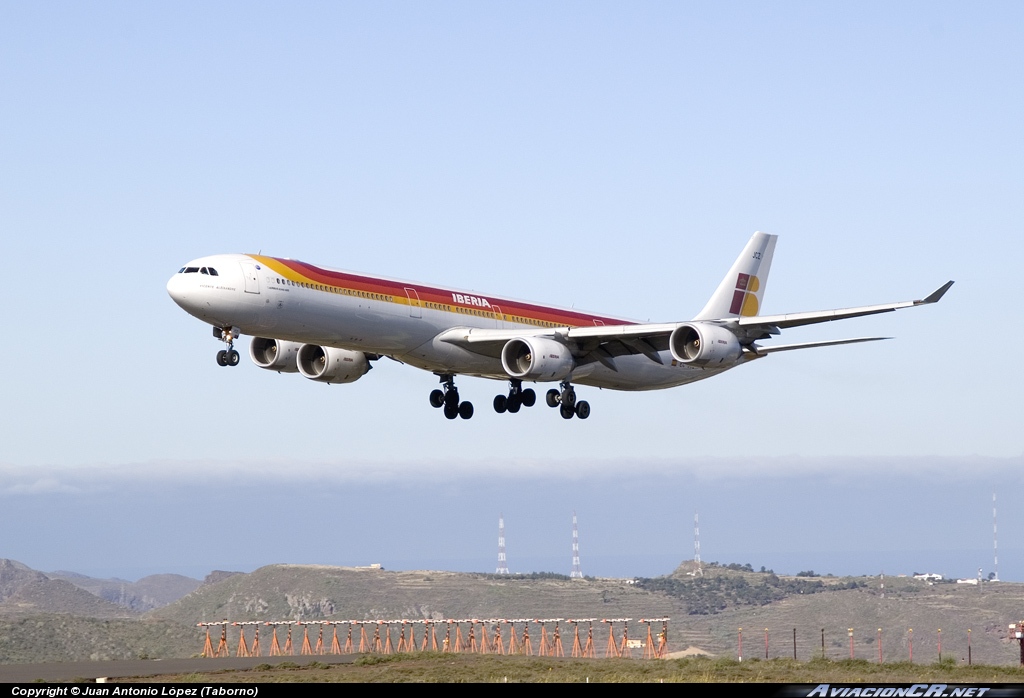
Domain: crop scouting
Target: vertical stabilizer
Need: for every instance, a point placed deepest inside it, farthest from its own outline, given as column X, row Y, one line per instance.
column 741, row 291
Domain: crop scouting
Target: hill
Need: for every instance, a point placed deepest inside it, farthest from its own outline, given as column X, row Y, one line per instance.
column 707, row 611
column 315, row 592
column 26, row 591
column 146, row 594
column 48, row 637
column 907, row 612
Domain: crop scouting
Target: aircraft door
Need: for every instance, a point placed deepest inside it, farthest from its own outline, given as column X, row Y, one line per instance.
column 414, row 303
column 499, row 319
column 252, row 279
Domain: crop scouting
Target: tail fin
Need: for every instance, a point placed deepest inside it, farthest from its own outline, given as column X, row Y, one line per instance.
column 741, row 290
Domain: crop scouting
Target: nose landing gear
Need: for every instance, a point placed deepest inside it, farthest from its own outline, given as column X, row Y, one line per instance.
column 226, row 357
column 565, row 401
column 517, row 397
column 449, row 399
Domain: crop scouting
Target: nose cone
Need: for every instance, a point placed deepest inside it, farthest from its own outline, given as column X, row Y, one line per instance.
column 177, row 289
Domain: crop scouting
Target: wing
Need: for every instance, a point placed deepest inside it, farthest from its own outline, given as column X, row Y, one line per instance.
column 780, row 322
column 604, row 343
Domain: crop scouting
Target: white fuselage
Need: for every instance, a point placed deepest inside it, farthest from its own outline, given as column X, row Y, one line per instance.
column 292, row 301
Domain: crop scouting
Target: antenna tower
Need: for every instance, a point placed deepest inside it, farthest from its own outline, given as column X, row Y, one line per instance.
column 502, row 564
column 995, row 542
column 699, row 571
column 576, row 573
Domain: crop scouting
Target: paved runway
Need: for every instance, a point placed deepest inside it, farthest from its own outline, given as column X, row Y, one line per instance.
column 69, row 671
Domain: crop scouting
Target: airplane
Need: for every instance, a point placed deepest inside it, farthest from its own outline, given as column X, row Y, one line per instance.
column 330, row 325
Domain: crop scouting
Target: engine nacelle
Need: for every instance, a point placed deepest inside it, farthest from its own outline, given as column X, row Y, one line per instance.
column 330, row 365
column 536, row 359
column 704, row 344
column 274, row 354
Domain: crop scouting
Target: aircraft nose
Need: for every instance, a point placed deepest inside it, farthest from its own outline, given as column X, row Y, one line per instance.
column 177, row 289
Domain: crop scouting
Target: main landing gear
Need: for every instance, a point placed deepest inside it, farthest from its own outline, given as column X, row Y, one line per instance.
column 226, row 357
column 565, row 401
column 517, row 397
column 449, row 399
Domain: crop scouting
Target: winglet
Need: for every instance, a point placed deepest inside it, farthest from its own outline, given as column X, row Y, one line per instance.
column 936, row 295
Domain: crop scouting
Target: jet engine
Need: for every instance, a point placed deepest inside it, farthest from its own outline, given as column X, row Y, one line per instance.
column 536, row 359
column 704, row 344
column 330, row 365
column 274, row 354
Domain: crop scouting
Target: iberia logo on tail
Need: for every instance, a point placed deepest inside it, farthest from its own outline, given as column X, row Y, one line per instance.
column 744, row 299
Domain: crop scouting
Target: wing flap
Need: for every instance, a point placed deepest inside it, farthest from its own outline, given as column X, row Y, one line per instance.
column 598, row 343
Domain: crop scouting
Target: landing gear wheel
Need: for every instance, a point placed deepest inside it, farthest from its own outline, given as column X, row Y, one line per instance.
column 449, row 399
column 500, row 403
column 226, row 356
column 582, row 409
column 567, row 412
column 517, row 397
column 552, row 398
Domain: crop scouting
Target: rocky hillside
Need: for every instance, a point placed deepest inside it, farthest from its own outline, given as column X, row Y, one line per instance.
column 314, row 592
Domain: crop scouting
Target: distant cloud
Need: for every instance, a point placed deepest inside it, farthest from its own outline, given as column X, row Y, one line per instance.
column 16, row 480
column 39, row 485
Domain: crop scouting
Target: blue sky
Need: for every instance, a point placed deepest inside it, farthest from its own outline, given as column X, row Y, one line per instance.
column 611, row 156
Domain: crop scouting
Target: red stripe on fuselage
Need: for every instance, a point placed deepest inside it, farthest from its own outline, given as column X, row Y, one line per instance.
column 429, row 294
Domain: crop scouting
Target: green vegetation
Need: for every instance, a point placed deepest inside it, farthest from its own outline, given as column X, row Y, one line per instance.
column 63, row 637
column 528, row 575
column 715, row 594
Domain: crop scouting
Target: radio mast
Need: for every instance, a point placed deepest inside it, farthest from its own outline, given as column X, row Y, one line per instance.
column 699, row 571
column 502, row 563
column 995, row 542
column 576, row 572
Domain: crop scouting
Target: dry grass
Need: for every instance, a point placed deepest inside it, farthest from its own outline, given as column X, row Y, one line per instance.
column 447, row 668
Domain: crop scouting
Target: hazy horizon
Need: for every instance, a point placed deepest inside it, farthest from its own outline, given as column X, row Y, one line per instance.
column 838, row 516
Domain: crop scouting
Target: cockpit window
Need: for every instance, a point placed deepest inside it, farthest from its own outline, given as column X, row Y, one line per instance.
column 191, row 270
column 182, row 270
column 213, row 272
column 203, row 271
